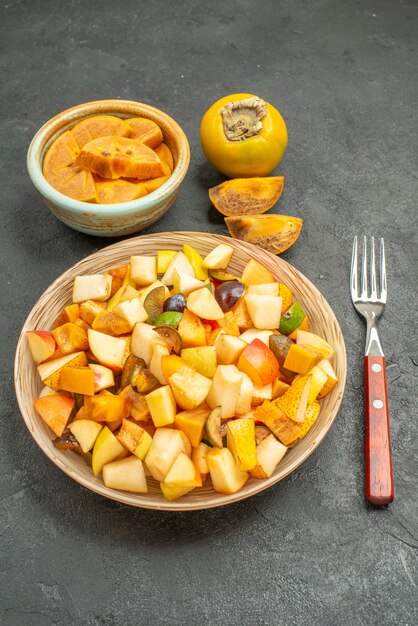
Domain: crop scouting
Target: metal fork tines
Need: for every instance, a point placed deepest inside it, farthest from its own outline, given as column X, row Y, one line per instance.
column 370, row 300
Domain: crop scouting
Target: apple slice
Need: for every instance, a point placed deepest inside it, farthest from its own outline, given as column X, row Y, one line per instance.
column 55, row 410
column 225, row 390
column 106, row 449
column 108, row 350
column 265, row 311
column 228, row 349
column 92, row 287
column 184, row 283
column 132, row 311
column 269, row 454
column 225, row 474
column 41, row 344
column 144, row 270
column 189, row 387
column 314, row 341
column 245, row 395
column 183, row 473
column 180, row 263
column 167, row 444
column 162, row 406
column 253, row 333
column 203, row 304
column 103, row 377
column 219, row 257
column 143, row 341
column 256, row 274
column 202, row 359
column 50, row 371
column 126, row 475
column 86, row 433
column 265, row 289
column 155, row 365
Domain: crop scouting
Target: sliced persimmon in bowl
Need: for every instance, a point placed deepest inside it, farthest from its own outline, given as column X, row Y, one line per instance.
column 116, row 157
column 73, row 182
column 146, row 131
column 165, row 155
column 100, row 126
column 112, row 191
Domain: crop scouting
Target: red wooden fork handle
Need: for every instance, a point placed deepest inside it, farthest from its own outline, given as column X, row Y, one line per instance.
column 379, row 475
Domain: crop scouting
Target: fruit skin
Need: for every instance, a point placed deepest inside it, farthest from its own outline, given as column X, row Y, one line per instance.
column 106, row 449
column 275, row 233
column 50, row 371
column 284, row 428
column 55, row 410
column 228, row 294
column 241, row 442
column 176, row 303
column 183, row 473
column 254, row 156
column 41, row 344
column 202, row 359
column 246, row 196
column 259, row 363
column 292, row 319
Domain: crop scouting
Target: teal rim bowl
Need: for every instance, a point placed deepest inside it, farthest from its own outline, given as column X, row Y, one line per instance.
column 109, row 220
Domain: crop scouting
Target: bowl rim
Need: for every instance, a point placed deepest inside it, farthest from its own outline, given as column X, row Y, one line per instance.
column 210, row 501
column 51, row 127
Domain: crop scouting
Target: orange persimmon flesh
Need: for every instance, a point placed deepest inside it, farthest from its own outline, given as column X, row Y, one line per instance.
column 165, row 155
column 246, row 196
column 275, row 233
column 151, row 184
column 116, row 157
column 100, row 126
column 111, row 191
column 146, row 131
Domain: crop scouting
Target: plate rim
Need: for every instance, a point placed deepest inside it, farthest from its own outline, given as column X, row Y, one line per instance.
column 144, row 502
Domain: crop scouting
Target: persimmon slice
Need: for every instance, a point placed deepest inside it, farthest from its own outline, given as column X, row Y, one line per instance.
column 165, row 155
column 111, row 191
column 74, row 183
column 62, row 152
column 146, row 131
column 116, row 157
column 246, row 196
column 151, row 184
column 99, row 126
column 275, row 233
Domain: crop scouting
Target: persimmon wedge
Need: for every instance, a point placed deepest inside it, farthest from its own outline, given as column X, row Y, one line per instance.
column 99, row 126
column 165, row 155
column 116, row 157
column 246, row 196
column 275, row 233
column 73, row 182
column 146, row 131
column 111, row 191
column 62, row 153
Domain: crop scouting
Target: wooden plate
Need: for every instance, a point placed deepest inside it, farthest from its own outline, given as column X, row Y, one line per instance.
column 28, row 384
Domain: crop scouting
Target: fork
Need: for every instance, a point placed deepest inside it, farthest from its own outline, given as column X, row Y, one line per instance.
column 370, row 302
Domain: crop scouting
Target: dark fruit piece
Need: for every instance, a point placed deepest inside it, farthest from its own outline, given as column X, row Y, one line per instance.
column 67, row 441
column 153, row 304
column 171, row 337
column 279, row 345
column 261, row 432
column 292, row 319
column 175, row 303
column 131, row 362
column 228, row 294
column 169, row 318
column 215, row 430
column 142, row 379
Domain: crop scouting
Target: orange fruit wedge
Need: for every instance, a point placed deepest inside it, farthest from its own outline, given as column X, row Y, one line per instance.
column 112, row 191
column 151, row 184
column 165, row 155
column 62, row 152
column 146, row 131
column 74, row 183
column 99, row 126
column 275, row 233
column 117, row 157
column 246, row 196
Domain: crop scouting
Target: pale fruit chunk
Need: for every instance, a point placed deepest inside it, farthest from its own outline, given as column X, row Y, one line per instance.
column 228, row 349
column 202, row 359
column 184, row 283
column 41, row 344
column 86, row 433
column 219, row 257
column 243, row 406
column 50, row 371
column 332, row 379
column 108, row 350
column 162, row 406
column 202, row 303
column 106, row 449
column 199, row 455
column 265, row 311
column 265, row 289
column 310, row 339
column 226, row 476
column 155, row 367
column 180, row 263
column 92, row 287
column 171, row 493
column 256, row 274
column 225, row 390
column 144, row 270
column 294, row 401
column 127, row 475
column 132, row 311
column 189, row 387
column 164, row 258
column 318, row 381
column 240, row 435
column 167, row 444
column 253, row 333
column 183, row 473
column 143, row 341
column 262, row 393
column 269, row 454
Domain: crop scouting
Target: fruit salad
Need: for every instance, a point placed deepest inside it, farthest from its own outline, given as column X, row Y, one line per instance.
column 174, row 369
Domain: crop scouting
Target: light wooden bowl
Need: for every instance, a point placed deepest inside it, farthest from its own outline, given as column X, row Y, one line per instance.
column 28, row 384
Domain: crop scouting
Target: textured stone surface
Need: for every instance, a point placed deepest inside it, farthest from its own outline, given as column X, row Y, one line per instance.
column 308, row 551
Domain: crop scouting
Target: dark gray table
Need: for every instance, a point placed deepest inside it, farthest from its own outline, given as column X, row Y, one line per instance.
column 308, row 551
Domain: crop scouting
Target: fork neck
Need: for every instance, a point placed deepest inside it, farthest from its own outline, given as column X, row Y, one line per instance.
column 373, row 347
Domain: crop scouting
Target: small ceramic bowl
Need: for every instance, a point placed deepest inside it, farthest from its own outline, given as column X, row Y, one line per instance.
column 109, row 220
